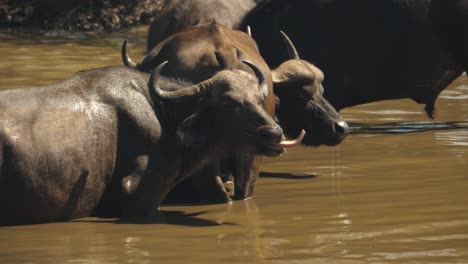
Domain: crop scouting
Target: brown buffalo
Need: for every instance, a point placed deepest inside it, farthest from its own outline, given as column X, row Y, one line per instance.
column 190, row 58
column 188, row 51
column 116, row 140
column 372, row 50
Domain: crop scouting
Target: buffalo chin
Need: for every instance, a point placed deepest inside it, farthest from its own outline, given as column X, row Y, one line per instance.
column 312, row 141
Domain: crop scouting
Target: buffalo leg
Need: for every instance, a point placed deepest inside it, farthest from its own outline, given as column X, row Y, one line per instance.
column 134, row 201
column 245, row 175
column 1, row 160
column 209, row 184
column 460, row 33
column 451, row 19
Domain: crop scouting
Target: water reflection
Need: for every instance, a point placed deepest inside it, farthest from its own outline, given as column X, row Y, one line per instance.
column 453, row 138
column 458, row 93
column 134, row 254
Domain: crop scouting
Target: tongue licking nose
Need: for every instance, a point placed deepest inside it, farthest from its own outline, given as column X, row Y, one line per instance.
column 294, row 142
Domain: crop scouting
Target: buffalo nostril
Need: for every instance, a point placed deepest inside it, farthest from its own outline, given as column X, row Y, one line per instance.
column 342, row 128
column 272, row 133
column 278, row 133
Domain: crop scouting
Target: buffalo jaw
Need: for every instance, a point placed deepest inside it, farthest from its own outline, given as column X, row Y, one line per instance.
column 268, row 141
column 273, row 149
column 329, row 133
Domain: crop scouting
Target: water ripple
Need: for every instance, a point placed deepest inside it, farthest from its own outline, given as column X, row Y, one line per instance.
column 453, row 138
column 404, row 127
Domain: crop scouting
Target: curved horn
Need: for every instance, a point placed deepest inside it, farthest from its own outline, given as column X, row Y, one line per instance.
column 181, row 93
column 125, row 58
column 262, row 80
column 248, row 31
column 292, row 51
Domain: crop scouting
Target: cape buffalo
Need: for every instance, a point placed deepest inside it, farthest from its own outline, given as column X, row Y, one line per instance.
column 298, row 87
column 118, row 139
column 188, row 51
column 178, row 15
column 372, row 50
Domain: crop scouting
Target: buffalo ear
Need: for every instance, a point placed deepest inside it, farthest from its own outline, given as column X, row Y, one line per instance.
column 194, row 132
column 279, row 76
column 291, row 72
column 288, row 72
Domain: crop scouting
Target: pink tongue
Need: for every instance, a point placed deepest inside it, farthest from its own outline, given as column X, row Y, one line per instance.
column 294, row 142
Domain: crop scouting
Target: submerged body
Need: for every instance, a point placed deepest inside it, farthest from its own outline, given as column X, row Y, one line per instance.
column 109, row 141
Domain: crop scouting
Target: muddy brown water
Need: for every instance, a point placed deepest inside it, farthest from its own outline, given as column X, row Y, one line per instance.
column 395, row 191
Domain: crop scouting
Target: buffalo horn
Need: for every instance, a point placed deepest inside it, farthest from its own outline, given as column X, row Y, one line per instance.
column 181, row 93
column 292, row 51
column 248, row 31
column 125, row 58
column 262, row 80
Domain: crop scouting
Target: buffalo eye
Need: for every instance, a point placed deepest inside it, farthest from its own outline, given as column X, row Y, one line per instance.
column 309, row 90
column 261, row 99
column 229, row 103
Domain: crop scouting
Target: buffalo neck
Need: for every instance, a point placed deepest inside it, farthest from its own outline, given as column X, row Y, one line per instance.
column 172, row 113
column 192, row 159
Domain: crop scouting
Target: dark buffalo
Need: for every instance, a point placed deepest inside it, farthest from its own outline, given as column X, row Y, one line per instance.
column 372, row 50
column 188, row 51
column 117, row 140
column 178, row 15
column 298, row 87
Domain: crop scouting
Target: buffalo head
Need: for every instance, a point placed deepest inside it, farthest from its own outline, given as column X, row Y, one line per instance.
column 229, row 111
column 301, row 105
